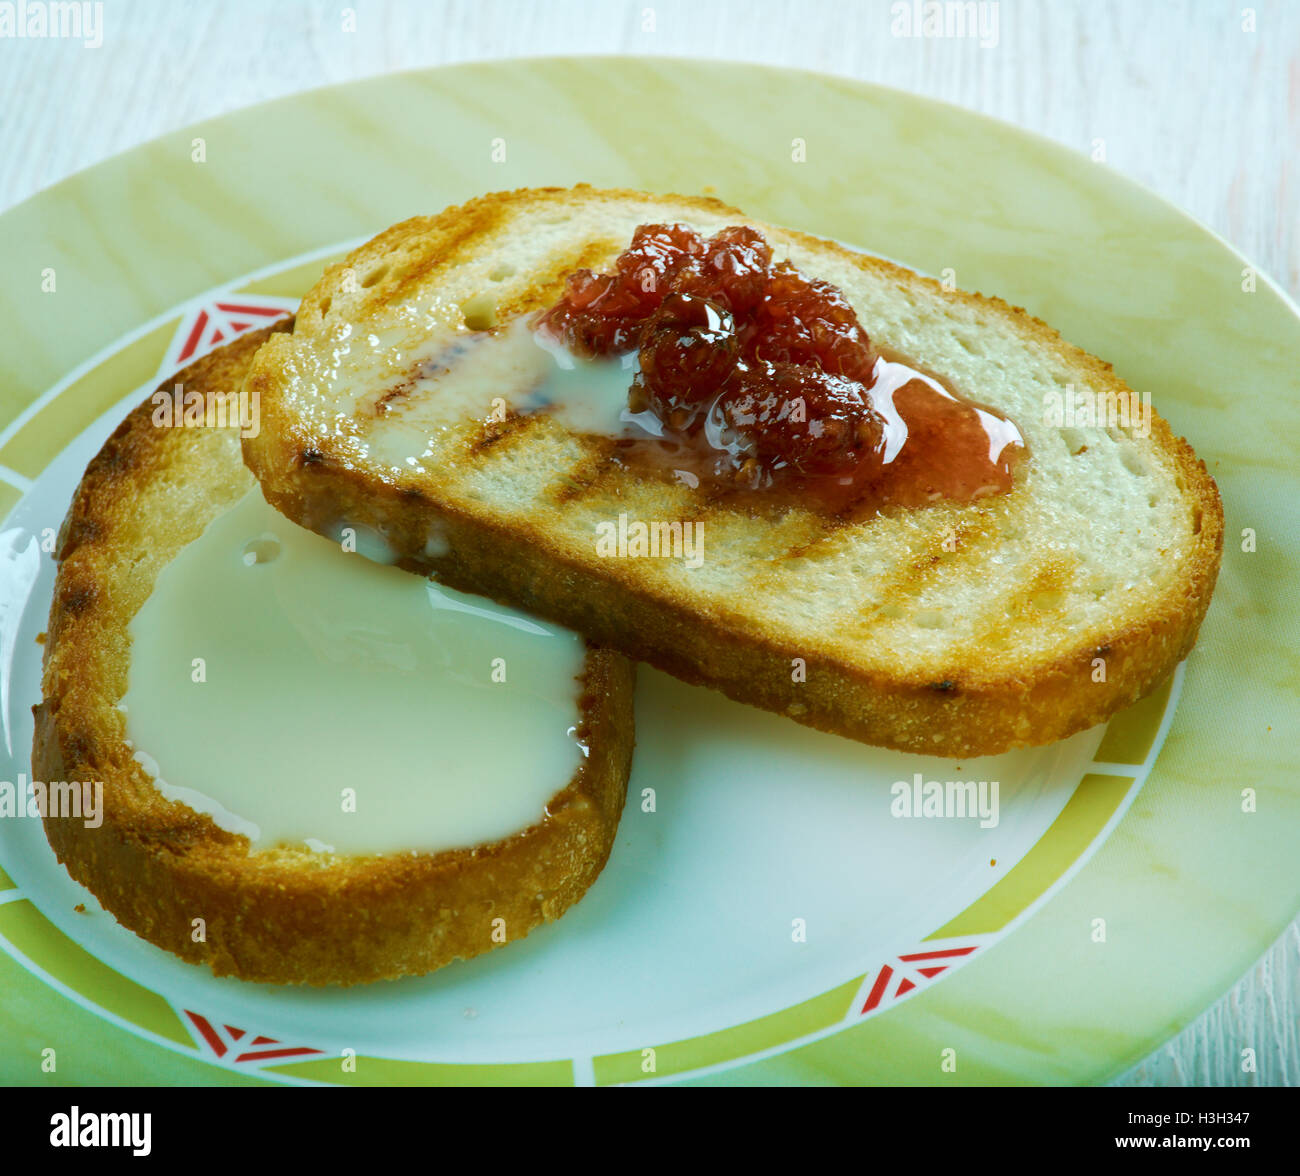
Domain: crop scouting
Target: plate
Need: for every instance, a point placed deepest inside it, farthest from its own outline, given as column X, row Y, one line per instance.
column 768, row 914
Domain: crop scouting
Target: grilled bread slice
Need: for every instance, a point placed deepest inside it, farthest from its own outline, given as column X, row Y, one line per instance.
column 954, row 629
column 282, row 915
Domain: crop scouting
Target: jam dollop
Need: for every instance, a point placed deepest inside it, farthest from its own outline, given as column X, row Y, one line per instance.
column 762, row 378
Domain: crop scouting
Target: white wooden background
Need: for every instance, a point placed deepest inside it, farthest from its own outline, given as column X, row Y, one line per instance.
column 1198, row 99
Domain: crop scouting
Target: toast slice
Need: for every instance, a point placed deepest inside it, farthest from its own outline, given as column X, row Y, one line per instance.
column 959, row 630
column 282, row 914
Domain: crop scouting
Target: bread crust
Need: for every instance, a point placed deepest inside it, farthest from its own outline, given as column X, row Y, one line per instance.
column 285, row 916
column 973, row 703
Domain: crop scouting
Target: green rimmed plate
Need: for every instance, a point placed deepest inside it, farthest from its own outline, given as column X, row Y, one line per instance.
column 878, row 944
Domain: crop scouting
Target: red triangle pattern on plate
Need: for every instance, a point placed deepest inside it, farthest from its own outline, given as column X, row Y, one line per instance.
column 221, row 1040
column 901, row 976
column 217, row 322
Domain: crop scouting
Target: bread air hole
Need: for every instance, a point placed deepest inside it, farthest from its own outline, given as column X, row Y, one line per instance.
column 480, row 312
column 501, row 272
column 1132, row 462
column 1074, row 441
column 375, row 275
column 931, row 618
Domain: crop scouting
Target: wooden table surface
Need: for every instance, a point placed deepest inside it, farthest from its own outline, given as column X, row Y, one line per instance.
column 1199, row 100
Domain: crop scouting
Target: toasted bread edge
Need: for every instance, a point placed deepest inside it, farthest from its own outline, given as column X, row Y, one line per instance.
column 281, row 916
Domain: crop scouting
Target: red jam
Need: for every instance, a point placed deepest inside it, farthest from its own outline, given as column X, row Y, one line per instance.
column 763, row 379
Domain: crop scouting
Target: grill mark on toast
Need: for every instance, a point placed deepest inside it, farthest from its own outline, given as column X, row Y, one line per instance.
column 998, row 626
column 442, row 363
column 499, row 436
column 1051, row 575
column 812, row 533
column 820, row 531
column 942, row 551
column 461, row 240
column 952, row 547
column 396, row 392
column 547, row 283
column 587, row 476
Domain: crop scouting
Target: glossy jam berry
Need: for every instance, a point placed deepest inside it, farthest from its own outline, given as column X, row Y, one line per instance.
column 769, row 378
column 604, row 314
column 688, row 350
column 656, row 254
column 801, row 419
column 715, row 318
column 811, row 323
column 732, row 269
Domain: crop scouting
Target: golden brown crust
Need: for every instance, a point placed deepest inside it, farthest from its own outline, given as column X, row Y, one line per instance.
column 977, row 704
column 281, row 916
